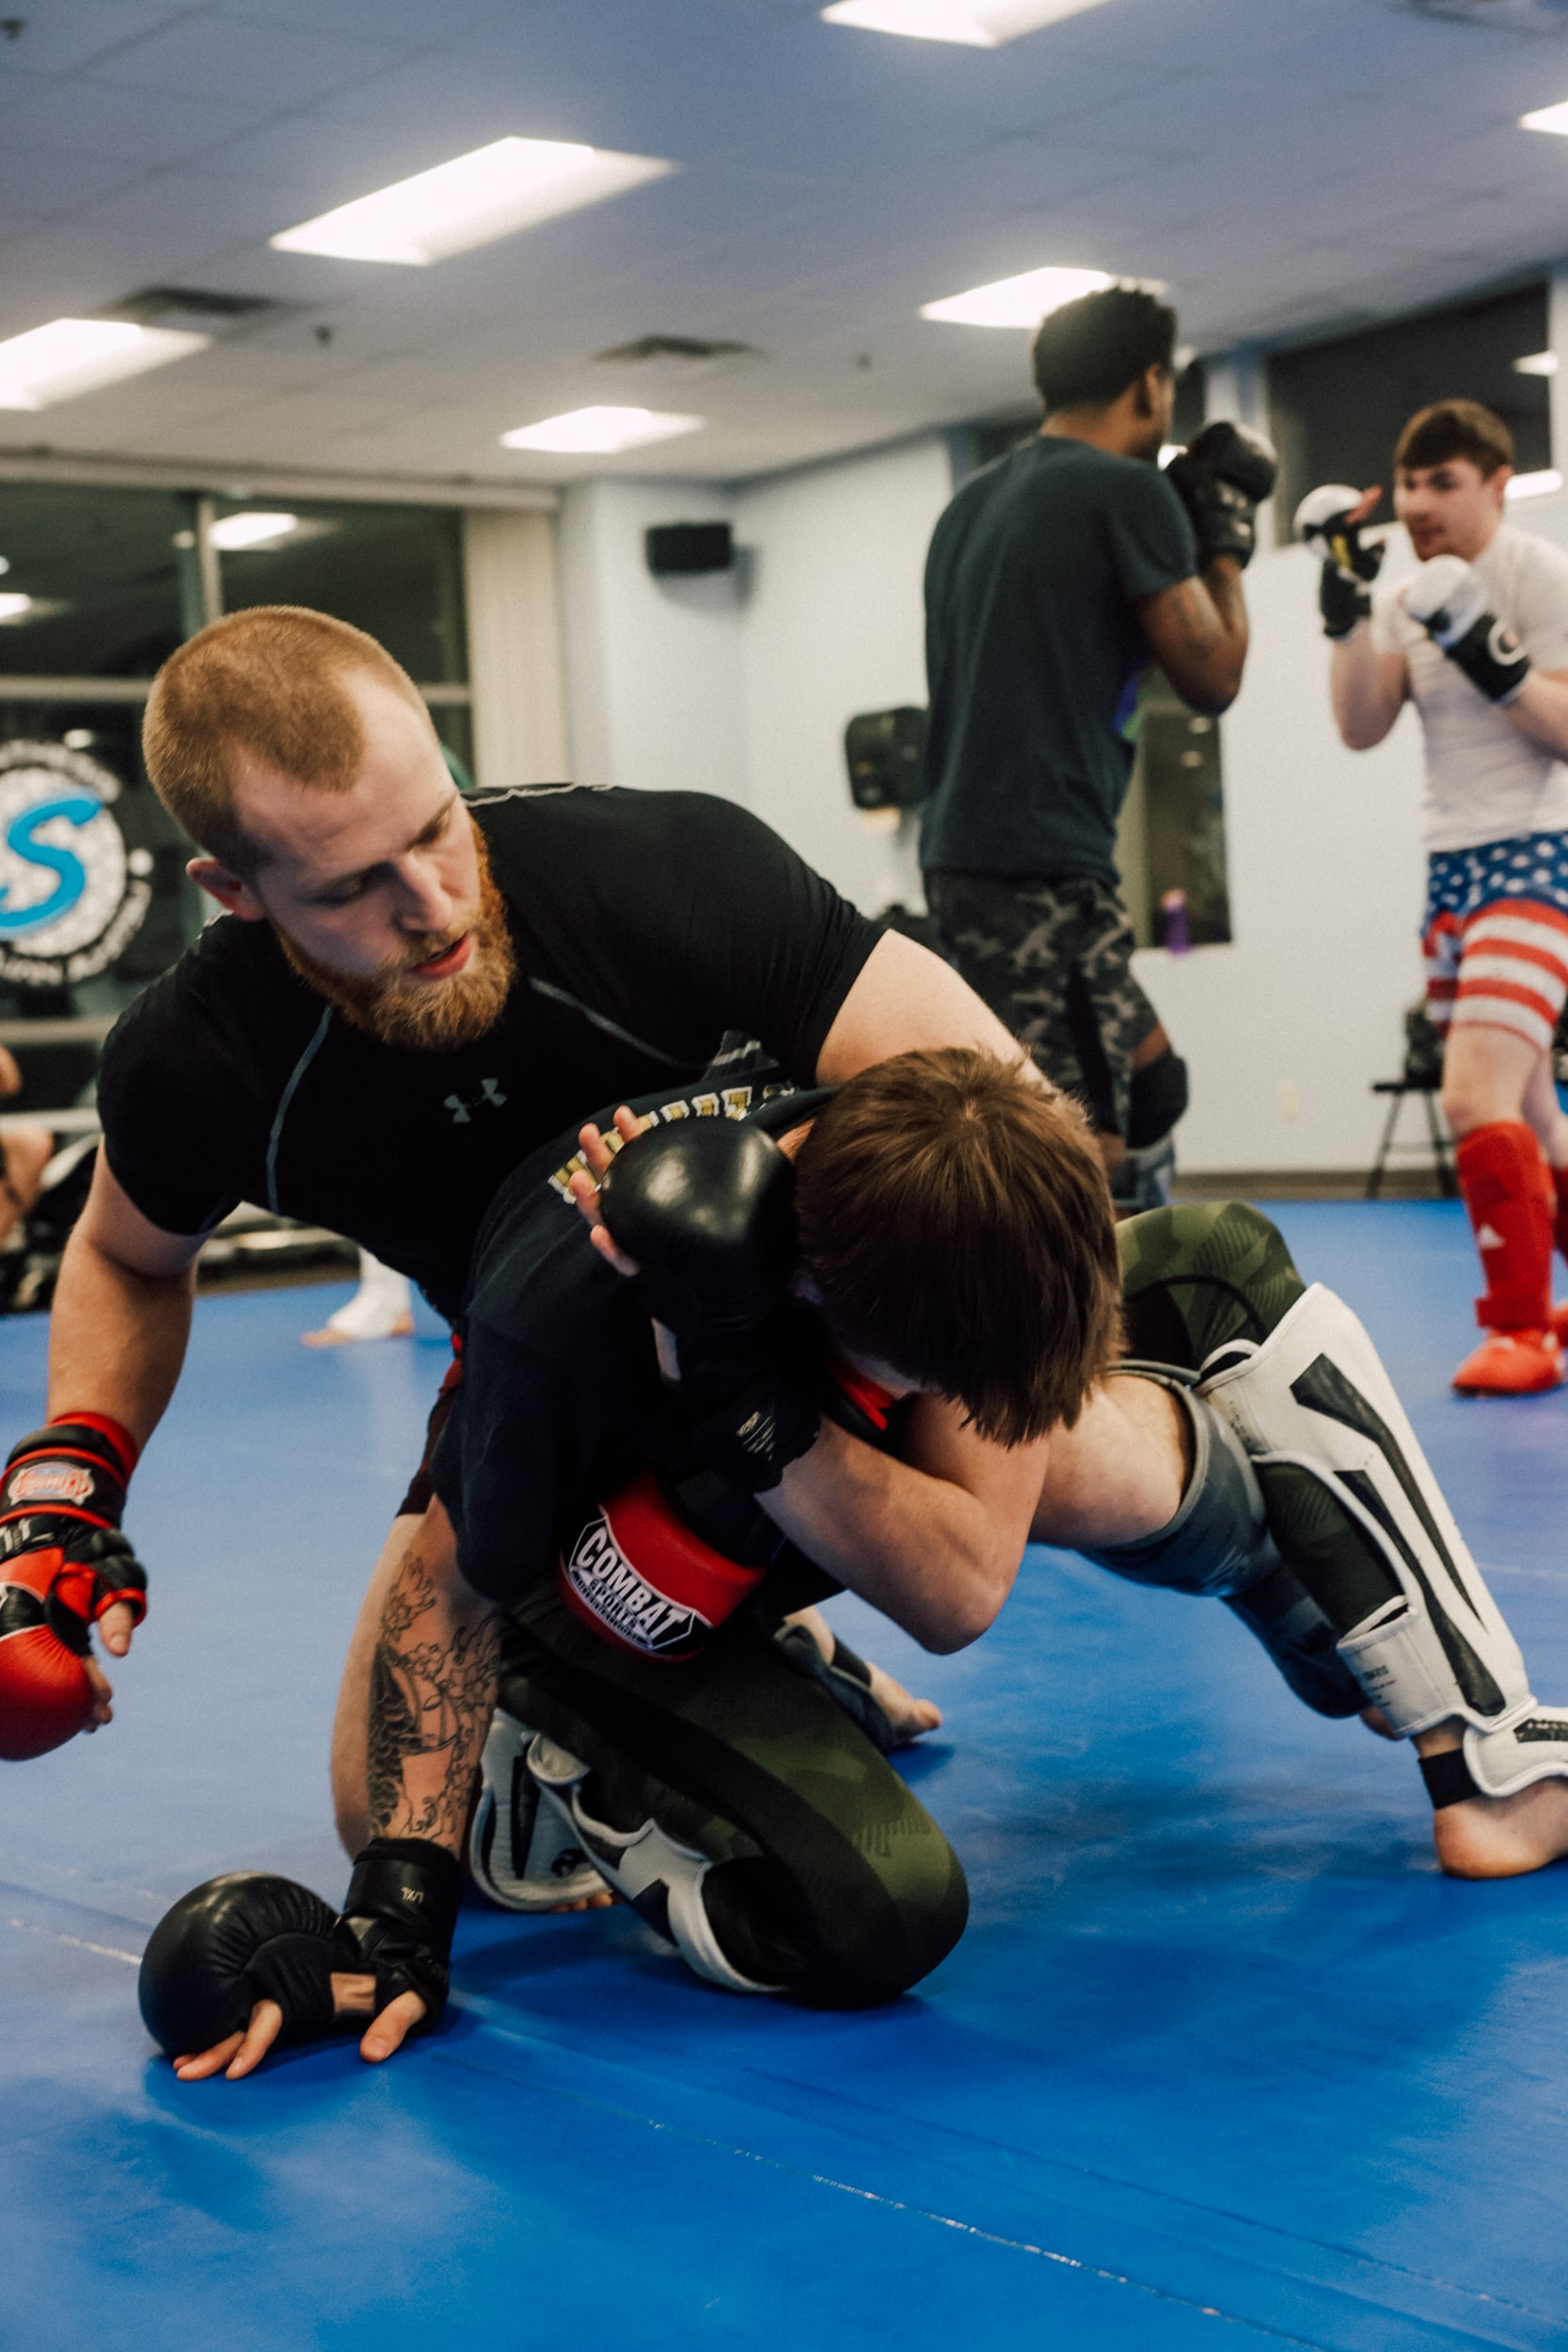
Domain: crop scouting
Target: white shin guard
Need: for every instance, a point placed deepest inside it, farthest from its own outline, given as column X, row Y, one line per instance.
column 521, row 1854
column 661, row 1880
column 1313, row 1397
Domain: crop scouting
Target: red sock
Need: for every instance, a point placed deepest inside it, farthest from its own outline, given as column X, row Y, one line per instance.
column 1560, row 1222
column 1509, row 1194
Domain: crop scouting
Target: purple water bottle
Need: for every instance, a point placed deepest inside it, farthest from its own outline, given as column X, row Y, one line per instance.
column 1174, row 935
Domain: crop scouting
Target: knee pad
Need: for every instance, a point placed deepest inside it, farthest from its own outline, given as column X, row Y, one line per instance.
column 1353, row 1507
column 1219, row 1543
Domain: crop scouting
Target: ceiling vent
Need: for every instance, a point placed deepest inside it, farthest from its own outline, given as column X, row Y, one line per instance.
column 196, row 309
column 1503, row 16
column 683, row 358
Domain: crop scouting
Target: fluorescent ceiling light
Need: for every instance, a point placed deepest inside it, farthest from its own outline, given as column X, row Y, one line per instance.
column 14, row 607
column 1017, row 301
column 491, row 192
column 975, row 24
column 600, row 432
column 252, row 531
column 1523, row 486
column 1536, row 363
column 1548, row 118
column 72, row 356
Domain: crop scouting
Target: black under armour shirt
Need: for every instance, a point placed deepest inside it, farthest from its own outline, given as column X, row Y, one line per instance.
column 645, row 925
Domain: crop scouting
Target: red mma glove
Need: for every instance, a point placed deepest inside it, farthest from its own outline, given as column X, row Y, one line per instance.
column 63, row 1562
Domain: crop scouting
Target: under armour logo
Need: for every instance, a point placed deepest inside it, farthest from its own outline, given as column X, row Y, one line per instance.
column 462, row 1112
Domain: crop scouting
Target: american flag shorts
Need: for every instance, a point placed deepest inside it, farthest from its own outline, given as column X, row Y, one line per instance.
column 1495, row 936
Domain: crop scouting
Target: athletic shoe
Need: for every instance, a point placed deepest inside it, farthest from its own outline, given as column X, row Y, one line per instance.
column 1511, row 1364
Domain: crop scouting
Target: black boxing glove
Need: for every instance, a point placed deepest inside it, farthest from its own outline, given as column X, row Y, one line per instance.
column 1351, row 561
column 237, row 1940
column 1221, row 477
column 63, row 1562
column 707, row 1207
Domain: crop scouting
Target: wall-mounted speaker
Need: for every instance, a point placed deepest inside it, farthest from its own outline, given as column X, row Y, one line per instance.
column 687, row 548
column 886, row 756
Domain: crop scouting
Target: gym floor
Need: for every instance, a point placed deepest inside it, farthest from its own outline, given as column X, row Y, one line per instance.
column 1221, row 2057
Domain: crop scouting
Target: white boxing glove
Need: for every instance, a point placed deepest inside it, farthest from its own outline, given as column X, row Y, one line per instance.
column 1448, row 596
column 1350, row 558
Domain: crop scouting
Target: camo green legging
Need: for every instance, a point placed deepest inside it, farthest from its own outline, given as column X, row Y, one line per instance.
column 1199, row 1274
column 830, row 1876
column 833, row 1877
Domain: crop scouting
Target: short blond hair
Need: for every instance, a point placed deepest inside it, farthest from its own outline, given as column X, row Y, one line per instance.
column 268, row 681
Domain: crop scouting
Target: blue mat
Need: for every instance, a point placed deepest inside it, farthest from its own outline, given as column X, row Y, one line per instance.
column 1221, row 2059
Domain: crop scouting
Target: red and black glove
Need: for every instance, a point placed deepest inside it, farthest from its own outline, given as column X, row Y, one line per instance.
column 63, row 1562
column 661, row 1564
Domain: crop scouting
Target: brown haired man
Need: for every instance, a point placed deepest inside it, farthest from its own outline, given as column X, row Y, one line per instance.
column 1479, row 640
column 635, row 1512
column 406, row 995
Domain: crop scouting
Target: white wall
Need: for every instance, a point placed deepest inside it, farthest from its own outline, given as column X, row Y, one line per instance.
column 833, row 624
column 652, row 666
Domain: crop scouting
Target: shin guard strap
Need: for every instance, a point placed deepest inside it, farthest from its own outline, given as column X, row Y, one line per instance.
column 1448, row 1779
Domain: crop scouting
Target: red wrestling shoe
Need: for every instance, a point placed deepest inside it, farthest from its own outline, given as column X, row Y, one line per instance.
column 1511, row 1364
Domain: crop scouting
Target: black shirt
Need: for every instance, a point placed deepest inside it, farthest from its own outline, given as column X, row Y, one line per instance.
column 646, row 924
column 561, row 1389
column 1035, row 656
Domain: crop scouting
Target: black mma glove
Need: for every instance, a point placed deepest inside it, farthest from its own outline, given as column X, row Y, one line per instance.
column 1222, row 476
column 1351, row 561
column 706, row 1208
column 1449, row 599
column 249, row 1936
column 398, row 1916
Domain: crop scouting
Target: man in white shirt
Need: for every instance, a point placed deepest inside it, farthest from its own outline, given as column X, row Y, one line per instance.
column 1479, row 642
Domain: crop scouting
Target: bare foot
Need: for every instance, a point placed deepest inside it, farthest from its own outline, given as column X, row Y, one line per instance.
column 398, row 1329
column 909, row 1716
column 1502, row 1837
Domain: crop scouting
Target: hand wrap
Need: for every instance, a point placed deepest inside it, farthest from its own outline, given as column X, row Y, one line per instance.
column 1221, row 477
column 63, row 1562
column 1351, row 561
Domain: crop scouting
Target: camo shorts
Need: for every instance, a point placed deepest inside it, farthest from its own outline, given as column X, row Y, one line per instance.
column 1053, row 960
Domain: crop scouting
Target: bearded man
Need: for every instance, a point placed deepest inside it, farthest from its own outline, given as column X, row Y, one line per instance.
column 405, row 995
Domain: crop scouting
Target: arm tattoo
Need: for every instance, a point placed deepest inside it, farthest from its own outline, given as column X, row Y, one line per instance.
column 433, row 1690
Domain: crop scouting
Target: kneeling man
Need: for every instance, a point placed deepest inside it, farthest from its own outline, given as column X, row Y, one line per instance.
column 635, row 1510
